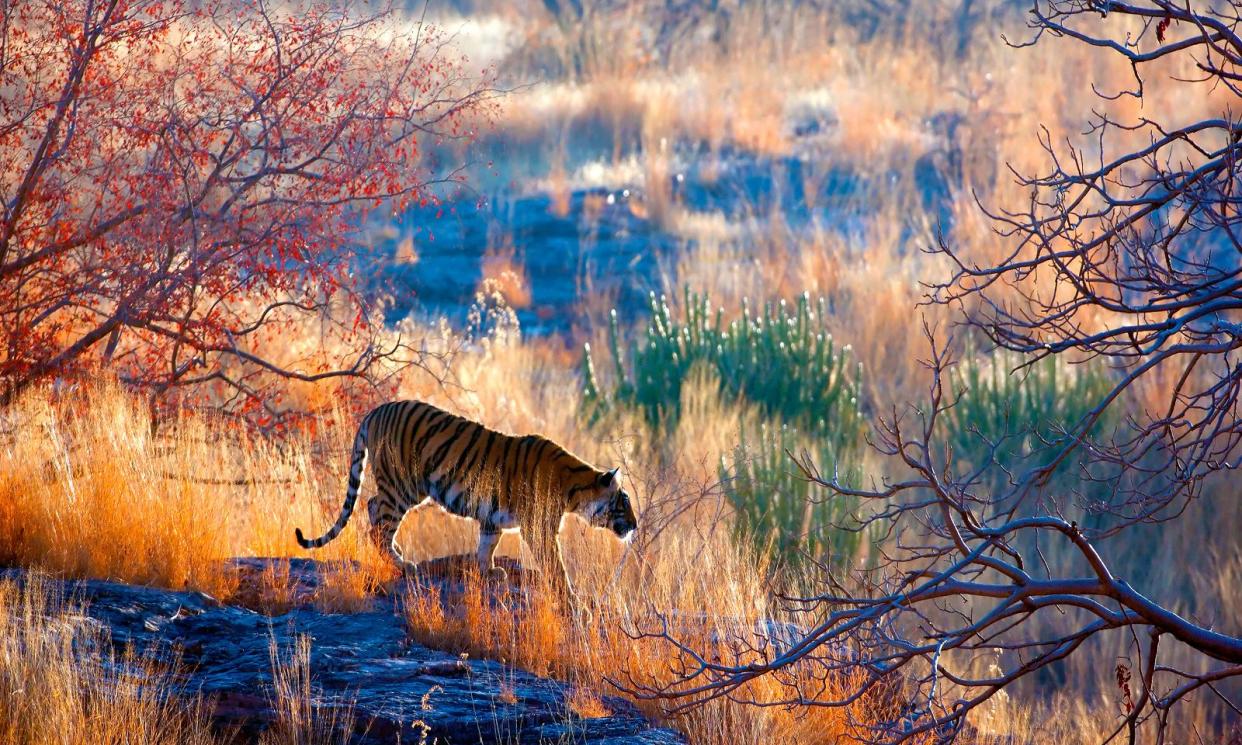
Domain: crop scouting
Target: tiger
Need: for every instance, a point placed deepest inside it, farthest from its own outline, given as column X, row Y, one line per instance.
column 419, row 452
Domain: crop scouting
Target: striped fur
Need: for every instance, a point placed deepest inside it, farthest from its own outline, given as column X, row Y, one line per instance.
column 417, row 451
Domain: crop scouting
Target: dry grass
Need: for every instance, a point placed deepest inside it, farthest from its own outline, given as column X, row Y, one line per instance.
column 86, row 488
column 53, row 691
column 585, row 704
column 506, row 275
column 298, row 718
column 61, row 681
column 590, row 649
column 99, row 510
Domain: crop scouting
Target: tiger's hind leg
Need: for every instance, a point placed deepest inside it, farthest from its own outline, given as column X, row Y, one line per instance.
column 386, row 511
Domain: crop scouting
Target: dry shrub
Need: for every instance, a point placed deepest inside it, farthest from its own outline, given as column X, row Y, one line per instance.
column 85, row 491
column 507, row 275
column 586, row 704
column 350, row 586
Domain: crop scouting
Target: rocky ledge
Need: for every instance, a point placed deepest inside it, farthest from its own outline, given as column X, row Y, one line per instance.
column 398, row 690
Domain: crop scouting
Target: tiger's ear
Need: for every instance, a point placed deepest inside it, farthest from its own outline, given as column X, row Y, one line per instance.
column 608, row 479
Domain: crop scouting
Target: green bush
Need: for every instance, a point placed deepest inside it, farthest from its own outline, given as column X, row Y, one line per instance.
column 1027, row 410
column 778, row 508
column 782, row 360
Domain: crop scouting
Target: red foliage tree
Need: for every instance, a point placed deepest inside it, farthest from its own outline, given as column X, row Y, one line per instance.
column 179, row 184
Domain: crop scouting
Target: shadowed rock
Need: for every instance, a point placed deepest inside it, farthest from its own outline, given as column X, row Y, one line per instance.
column 398, row 689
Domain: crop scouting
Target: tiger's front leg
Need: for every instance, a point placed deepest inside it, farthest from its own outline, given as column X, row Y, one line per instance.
column 545, row 544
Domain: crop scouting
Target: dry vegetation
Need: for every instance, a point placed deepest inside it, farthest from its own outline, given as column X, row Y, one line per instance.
column 87, row 488
column 90, row 492
column 50, row 694
column 61, row 681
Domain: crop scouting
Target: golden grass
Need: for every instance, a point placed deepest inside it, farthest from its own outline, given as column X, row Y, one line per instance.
column 80, row 496
column 591, row 648
column 52, row 691
column 585, row 704
column 86, row 489
column 103, row 508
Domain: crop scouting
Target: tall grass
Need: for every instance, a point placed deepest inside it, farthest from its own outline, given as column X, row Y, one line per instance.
column 688, row 558
column 719, row 605
column 61, row 682
column 102, row 512
column 86, row 489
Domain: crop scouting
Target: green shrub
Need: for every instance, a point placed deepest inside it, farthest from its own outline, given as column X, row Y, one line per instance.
column 784, row 363
column 782, row 360
column 1027, row 410
column 778, row 508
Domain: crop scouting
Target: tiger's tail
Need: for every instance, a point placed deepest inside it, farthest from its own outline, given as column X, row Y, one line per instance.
column 357, row 464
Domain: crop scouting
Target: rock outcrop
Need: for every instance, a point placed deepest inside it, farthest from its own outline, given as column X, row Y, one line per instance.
column 397, row 690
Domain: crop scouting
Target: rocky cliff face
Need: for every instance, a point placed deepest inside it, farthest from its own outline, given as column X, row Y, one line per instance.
column 399, row 691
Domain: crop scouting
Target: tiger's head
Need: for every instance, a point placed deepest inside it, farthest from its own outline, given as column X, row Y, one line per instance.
column 610, row 507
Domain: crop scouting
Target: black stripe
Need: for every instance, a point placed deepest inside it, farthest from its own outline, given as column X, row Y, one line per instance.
column 457, row 471
column 517, row 474
column 491, row 441
column 505, row 463
column 416, row 440
column 444, row 422
column 543, row 444
column 386, row 417
column 434, row 462
column 530, row 448
column 382, row 455
column 478, row 462
column 402, row 437
column 378, row 435
column 508, row 466
column 439, row 426
column 424, row 415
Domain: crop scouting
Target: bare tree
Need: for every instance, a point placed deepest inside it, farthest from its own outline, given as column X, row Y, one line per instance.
column 1131, row 259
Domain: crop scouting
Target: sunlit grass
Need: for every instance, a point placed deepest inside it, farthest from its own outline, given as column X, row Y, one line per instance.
column 717, row 601
column 52, row 690
column 89, row 488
